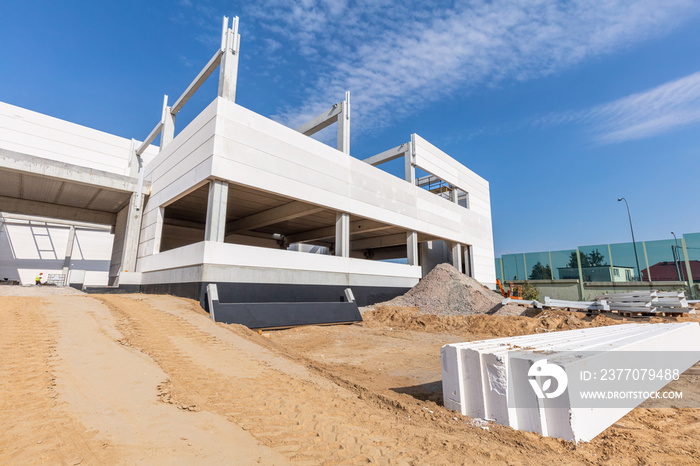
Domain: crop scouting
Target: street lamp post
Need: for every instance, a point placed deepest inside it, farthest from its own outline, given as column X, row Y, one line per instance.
column 639, row 275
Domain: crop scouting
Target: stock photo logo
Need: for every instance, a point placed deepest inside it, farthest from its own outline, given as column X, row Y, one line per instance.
column 541, row 375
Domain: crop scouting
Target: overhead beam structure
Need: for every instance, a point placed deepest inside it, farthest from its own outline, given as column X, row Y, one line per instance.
column 278, row 214
column 321, row 121
column 338, row 113
column 358, row 226
column 64, row 212
column 397, row 239
column 29, row 164
column 226, row 58
column 388, row 155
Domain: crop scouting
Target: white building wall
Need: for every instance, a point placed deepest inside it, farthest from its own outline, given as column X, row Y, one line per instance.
column 180, row 168
column 229, row 142
column 27, row 249
column 39, row 135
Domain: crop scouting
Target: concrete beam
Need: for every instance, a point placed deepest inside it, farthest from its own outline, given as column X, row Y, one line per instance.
column 216, row 211
column 45, row 209
column 380, row 254
column 278, row 214
column 39, row 166
column 54, row 222
column 388, row 155
column 358, row 226
column 321, row 121
column 197, row 82
column 398, row 239
column 378, row 242
column 524, row 403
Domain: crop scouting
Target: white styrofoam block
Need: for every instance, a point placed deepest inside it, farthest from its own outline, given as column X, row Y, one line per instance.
column 491, row 378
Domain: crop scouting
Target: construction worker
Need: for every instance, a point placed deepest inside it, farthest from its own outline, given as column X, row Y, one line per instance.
column 39, row 277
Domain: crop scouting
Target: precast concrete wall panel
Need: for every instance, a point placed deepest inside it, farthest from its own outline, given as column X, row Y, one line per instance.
column 276, row 262
column 494, row 378
column 32, row 133
column 436, row 162
column 258, row 152
column 27, row 249
column 250, row 150
column 184, row 164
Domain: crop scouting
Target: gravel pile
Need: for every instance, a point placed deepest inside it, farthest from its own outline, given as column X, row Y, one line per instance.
column 445, row 291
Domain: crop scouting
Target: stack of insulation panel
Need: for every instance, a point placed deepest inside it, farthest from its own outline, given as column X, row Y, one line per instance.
column 475, row 375
column 647, row 301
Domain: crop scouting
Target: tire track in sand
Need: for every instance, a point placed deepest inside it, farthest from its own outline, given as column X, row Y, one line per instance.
column 309, row 422
column 34, row 427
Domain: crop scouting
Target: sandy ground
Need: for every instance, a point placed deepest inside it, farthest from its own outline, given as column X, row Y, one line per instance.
column 144, row 379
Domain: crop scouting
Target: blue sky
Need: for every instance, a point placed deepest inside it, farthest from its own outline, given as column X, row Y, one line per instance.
column 562, row 106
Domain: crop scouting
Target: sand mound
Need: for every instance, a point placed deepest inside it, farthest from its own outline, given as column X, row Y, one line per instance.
column 445, row 291
column 480, row 325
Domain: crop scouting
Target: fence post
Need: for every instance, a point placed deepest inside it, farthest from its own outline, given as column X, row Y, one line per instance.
column 687, row 269
column 646, row 260
column 580, row 273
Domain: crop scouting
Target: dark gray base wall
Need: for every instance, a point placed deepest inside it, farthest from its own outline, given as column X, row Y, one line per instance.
column 275, row 292
column 123, row 289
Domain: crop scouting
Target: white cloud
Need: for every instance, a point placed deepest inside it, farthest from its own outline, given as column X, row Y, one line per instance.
column 396, row 58
column 665, row 108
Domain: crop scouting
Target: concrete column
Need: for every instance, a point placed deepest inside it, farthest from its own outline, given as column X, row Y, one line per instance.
column 228, row 70
column 168, row 132
column 158, row 235
column 131, row 236
column 457, row 256
column 69, row 254
column 344, row 125
column 468, row 263
column 342, row 234
column 412, row 247
column 409, row 162
column 216, row 211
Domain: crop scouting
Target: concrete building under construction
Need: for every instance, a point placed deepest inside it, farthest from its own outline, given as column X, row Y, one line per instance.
column 262, row 210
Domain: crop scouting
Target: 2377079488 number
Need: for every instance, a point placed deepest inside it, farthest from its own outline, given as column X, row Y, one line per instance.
column 639, row 374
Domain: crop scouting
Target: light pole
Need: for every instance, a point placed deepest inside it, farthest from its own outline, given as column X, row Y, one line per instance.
column 639, row 275
column 677, row 257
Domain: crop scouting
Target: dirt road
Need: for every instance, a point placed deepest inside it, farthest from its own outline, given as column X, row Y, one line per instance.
column 152, row 380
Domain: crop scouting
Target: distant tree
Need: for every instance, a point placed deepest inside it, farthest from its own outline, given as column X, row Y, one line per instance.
column 592, row 259
column 596, row 259
column 541, row 272
column 573, row 260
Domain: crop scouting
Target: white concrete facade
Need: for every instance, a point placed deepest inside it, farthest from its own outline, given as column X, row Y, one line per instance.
column 234, row 196
column 30, row 247
column 231, row 144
